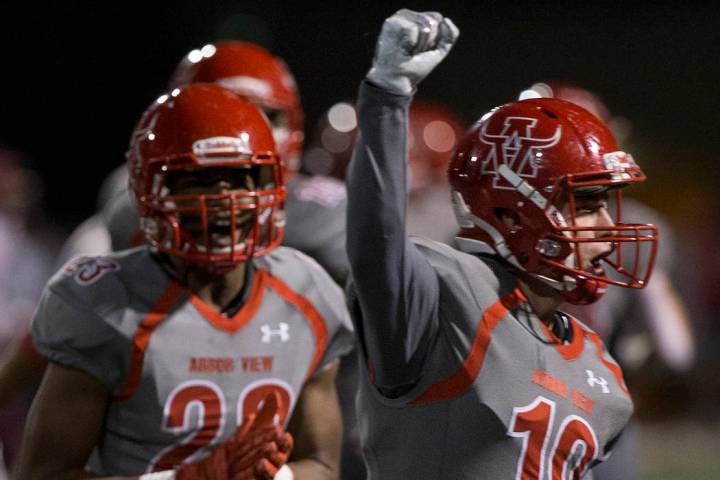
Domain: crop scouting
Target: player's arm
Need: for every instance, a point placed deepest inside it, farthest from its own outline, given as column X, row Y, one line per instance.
column 66, row 422
column 64, row 425
column 668, row 320
column 396, row 287
column 316, row 426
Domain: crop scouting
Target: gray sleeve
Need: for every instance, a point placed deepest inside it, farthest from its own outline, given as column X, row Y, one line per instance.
column 69, row 334
column 395, row 286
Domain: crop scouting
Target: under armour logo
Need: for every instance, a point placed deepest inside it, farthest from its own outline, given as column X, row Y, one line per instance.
column 592, row 380
column 283, row 332
column 516, row 147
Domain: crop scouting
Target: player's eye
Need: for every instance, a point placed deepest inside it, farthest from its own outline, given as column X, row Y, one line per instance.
column 277, row 118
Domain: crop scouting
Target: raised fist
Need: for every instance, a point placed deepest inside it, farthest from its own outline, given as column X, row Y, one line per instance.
column 410, row 45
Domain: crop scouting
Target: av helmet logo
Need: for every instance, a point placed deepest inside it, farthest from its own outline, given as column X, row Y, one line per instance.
column 516, row 147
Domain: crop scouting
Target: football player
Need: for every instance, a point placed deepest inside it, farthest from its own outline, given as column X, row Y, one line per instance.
column 25, row 264
column 472, row 372
column 162, row 355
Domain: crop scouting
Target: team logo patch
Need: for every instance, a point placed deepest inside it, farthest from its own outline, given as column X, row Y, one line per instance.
column 282, row 332
column 207, row 150
column 516, row 147
column 592, row 380
column 619, row 162
column 88, row 270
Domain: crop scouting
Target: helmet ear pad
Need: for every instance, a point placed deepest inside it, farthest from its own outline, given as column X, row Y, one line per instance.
column 512, row 227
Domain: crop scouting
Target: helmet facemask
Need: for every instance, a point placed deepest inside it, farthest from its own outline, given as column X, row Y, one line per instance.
column 191, row 216
column 587, row 258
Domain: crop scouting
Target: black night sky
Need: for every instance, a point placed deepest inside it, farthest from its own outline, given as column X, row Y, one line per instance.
column 76, row 75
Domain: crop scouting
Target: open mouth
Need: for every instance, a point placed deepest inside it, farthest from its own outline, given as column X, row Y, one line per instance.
column 596, row 266
column 220, row 232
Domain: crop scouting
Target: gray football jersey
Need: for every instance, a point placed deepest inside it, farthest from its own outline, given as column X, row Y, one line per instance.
column 463, row 381
column 500, row 396
column 315, row 209
column 183, row 375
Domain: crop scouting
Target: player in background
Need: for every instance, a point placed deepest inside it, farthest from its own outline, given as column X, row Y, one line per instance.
column 166, row 348
column 433, row 132
column 472, row 372
column 636, row 324
column 315, row 205
column 25, row 264
column 100, row 233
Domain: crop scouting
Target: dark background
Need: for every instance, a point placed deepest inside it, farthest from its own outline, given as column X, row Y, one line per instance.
column 76, row 75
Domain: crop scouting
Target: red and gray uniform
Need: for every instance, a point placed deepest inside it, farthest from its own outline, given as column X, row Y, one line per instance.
column 181, row 374
column 463, row 380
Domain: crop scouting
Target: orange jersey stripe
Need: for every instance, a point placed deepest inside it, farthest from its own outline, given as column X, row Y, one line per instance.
column 458, row 382
column 142, row 337
column 243, row 316
column 572, row 350
column 317, row 324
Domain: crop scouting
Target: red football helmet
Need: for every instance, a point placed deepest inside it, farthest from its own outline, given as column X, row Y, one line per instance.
column 203, row 131
column 432, row 134
column 261, row 78
column 619, row 126
column 527, row 158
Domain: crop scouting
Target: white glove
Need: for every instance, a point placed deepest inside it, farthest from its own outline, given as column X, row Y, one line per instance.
column 410, row 45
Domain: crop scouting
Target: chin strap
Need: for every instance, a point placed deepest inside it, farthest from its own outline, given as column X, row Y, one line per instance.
column 567, row 284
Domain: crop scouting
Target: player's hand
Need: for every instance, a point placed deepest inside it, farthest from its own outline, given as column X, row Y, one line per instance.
column 410, row 45
column 212, row 467
column 257, row 450
column 262, row 448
